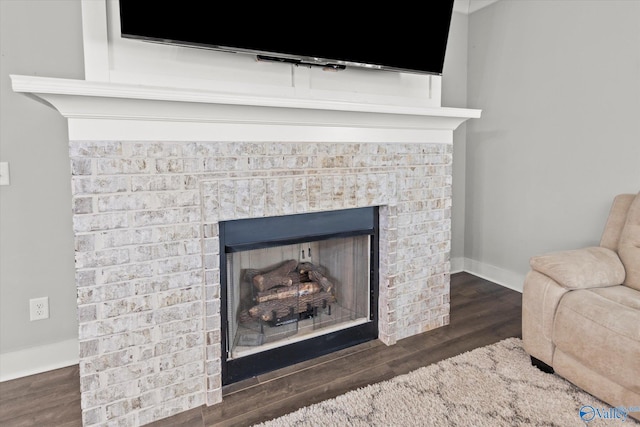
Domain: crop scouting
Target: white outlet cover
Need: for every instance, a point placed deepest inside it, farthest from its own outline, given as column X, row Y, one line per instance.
column 39, row 308
column 4, row 173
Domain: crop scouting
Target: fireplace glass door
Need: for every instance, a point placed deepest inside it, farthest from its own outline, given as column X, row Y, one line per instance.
column 305, row 290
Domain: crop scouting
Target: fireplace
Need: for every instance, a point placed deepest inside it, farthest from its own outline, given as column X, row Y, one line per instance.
column 159, row 174
column 296, row 287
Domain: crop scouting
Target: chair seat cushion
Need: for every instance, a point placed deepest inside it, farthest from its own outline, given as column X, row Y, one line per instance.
column 601, row 329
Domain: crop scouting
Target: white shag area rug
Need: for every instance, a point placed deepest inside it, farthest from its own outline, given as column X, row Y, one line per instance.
column 490, row 386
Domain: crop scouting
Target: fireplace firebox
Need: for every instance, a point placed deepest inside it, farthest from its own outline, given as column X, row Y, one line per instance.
column 296, row 287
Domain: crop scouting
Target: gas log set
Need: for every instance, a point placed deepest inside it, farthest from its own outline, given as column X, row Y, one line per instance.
column 290, row 292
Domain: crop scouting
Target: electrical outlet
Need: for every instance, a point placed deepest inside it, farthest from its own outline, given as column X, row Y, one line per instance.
column 4, row 174
column 39, row 308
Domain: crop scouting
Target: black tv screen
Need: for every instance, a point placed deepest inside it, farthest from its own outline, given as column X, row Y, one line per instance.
column 398, row 36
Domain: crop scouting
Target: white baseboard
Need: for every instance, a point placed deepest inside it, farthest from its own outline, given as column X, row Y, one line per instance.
column 35, row 360
column 500, row 276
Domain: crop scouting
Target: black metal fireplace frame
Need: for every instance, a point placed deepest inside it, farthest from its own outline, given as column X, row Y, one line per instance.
column 257, row 233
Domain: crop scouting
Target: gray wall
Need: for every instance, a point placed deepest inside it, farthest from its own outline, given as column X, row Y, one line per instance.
column 44, row 38
column 559, row 86
column 454, row 94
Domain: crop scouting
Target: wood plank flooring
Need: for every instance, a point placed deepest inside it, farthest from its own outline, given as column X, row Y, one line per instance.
column 482, row 313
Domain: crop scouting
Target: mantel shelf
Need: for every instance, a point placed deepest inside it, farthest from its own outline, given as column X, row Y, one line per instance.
column 99, row 110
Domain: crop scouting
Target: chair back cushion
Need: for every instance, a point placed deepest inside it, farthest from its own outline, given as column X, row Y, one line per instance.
column 616, row 221
column 629, row 245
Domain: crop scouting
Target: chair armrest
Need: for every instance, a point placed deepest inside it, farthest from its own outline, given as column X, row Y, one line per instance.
column 593, row 267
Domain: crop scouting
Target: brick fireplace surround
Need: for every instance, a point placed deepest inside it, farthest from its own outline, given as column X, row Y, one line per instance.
column 152, row 174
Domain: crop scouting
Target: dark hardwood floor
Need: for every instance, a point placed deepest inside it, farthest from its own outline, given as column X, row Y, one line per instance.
column 482, row 313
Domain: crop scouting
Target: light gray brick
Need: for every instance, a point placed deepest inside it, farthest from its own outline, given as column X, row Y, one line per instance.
column 124, row 202
column 95, row 149
column 82, row 205
column 81, row 166
column 109, row 221
column 125, row 237
column 127, row 272
column 93, row 259
column 156, row 183
column 126, row 306
column 123, row 166
column 87, row 313
column 89, row 185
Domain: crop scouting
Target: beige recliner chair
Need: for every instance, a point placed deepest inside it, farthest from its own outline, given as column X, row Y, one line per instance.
column 581, row 311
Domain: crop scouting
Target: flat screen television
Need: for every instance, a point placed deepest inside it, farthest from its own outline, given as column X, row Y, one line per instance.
column 397, row 36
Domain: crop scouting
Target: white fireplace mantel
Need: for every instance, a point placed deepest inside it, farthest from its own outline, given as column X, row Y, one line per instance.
column 103, row 110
